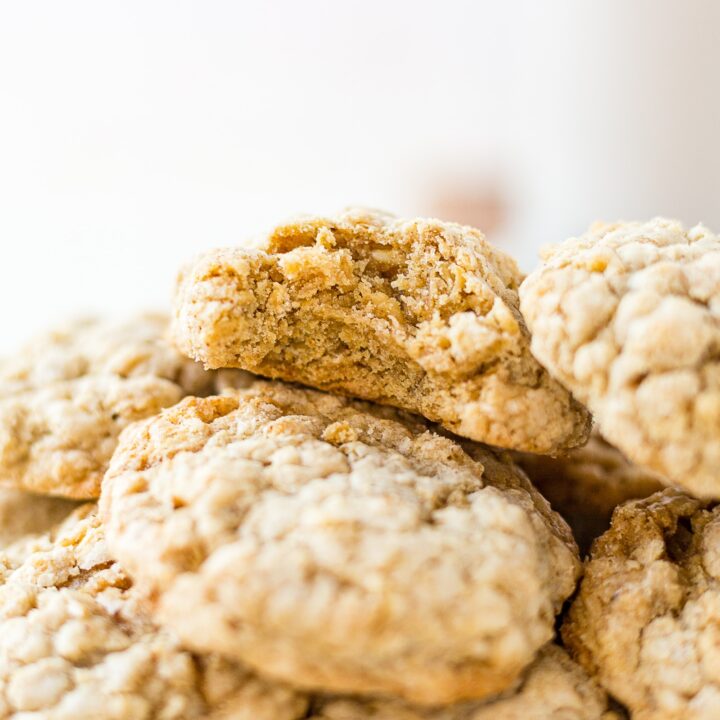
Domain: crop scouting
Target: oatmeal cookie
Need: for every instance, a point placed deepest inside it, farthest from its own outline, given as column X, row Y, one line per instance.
column 65, row 398
column 588, row 483
column 338, row 545
column 552, row 687
column 627, row 317
column 24, row 514
column 418, row 314
column 75, row 644
column 646, row 621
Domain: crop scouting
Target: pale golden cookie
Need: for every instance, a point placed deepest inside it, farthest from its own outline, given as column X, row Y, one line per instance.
column 65, row 398
column 24, row 514
column 552, row 688
column 646, row 621
column 588, row 483
column 627, row 317
column 338, row 545
column 419, row 314
column 75, row 644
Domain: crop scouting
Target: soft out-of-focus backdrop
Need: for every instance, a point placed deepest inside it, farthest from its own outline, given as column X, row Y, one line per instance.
column 135, row 134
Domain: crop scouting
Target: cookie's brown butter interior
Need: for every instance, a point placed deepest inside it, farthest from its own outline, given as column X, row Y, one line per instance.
column 418, row 314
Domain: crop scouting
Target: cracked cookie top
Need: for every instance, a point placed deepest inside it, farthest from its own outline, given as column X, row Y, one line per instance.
column 65, row 398
column 338, row 545
column 646, row 621
column 419, row 314
column 627, row 317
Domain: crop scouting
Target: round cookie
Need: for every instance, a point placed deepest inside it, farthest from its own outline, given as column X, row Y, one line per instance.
column 337, row 545
column 646, row 621
column 65, row 398
column 627, row 317
column 23, row 514
column 552, row 687
column 419, row 314
column 75, row 644
column 587, row 484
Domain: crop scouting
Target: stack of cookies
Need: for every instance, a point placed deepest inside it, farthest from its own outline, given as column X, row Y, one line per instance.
column 319, row 490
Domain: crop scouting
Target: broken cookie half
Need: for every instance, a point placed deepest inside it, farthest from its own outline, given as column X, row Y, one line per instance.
column 419, row 314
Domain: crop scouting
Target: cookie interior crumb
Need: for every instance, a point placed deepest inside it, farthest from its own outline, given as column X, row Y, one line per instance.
column 419, row 314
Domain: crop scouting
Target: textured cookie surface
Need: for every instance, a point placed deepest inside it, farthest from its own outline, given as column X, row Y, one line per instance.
column 628, row 318
column 552, row 688
column 418, row 314
column 65, row 398
column 588, row 483
column 646, row 621
column 75, row 644
column 23, row 514
column 338, row 545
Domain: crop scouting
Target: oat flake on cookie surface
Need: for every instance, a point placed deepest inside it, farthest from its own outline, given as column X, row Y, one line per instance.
column 419, row 314
column 338, row 545
column 627, row 317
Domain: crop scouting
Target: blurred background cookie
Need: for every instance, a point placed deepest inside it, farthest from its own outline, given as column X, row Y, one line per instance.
column 25, row 514
column 65, row 397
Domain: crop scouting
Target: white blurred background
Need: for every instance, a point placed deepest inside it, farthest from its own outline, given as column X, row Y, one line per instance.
column 134, row 134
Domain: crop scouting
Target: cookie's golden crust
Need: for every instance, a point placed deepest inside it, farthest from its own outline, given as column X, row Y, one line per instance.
column 646, row 621
column 338, row 545
column 627, row 317
column 587, row 484
column 552, row 687
column 75, row 644
column 420, row 314
column 65, row 398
